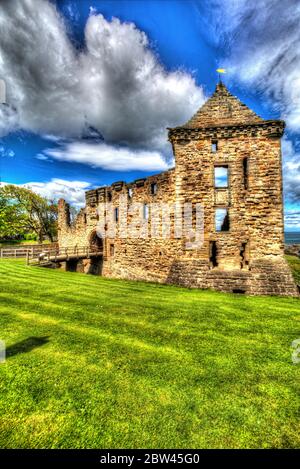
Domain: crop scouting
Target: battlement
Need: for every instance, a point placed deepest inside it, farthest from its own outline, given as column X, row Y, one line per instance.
column 267, row 128
column 132, row 189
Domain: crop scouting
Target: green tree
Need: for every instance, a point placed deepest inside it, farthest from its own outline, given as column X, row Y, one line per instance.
column 23, row 211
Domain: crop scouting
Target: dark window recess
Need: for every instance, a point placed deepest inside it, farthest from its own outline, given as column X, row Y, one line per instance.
column 71, row 266
column 112, row 250
column 244, row 254
column 116, row 214
column 109, row 197
column 221, row 176
column 239, row 290
column 213, row 254
column 245, row 172
column 222, row 219
column 154, row 188
column 214, row 146
column 84, row 218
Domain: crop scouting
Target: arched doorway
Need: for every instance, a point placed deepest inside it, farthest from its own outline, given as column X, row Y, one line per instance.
column 96, row 242
column 95, row 263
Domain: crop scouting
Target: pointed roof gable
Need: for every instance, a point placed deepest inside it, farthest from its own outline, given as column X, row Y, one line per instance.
column 222, row 109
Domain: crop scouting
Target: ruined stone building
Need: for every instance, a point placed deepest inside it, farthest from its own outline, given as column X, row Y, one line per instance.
column 228, row 159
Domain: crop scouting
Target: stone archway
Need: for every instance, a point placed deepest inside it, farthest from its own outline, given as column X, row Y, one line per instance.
column 95, row 241
column 94, row 265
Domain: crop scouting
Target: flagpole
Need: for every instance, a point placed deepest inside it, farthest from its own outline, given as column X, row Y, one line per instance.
column 220, row 71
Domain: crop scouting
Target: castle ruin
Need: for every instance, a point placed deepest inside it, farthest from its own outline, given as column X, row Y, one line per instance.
column 228, row 160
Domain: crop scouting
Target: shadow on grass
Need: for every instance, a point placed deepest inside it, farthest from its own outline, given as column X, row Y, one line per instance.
column 26, row 345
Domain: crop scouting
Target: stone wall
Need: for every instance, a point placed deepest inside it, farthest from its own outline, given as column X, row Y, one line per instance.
column 292, row 249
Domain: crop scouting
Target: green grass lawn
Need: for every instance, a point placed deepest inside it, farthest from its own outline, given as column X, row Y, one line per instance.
column 100, row 363
column 295, row 266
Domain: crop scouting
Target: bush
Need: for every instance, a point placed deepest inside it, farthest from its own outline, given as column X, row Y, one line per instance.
column 30, row 237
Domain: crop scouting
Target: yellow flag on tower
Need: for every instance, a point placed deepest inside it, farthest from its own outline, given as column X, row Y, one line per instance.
column 221, row 70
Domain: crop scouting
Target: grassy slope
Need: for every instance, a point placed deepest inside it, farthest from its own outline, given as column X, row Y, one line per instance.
column 295, row 266
column 142, row 365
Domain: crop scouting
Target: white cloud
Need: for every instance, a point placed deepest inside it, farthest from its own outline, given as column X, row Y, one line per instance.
column 42, row 157
column 291, row 171
column 9, row 120
column 262, row 49
column 292, row 219
column 2, row 92
column 116, row 83
column 72, row 191
column 6, row 152
column 108, row 157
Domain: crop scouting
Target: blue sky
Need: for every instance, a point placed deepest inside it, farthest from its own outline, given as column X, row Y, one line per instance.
column 69, row 77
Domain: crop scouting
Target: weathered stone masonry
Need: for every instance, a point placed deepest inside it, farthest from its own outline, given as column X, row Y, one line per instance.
column 247, row 255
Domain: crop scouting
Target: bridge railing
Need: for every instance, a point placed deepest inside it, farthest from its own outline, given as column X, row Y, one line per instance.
column 63, row 254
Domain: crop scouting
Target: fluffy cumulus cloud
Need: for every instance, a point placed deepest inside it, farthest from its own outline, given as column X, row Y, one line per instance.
column 108, row 157
column 115, row 83
column 9, row 120
column 72, row 191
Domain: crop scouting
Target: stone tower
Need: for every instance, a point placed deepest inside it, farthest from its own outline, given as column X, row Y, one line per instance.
column 229, row 159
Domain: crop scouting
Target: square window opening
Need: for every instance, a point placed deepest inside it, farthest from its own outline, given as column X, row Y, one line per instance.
column 154, row 188
column 214, row 146
column 221, row 176
column 244, row 254
column 213, row 254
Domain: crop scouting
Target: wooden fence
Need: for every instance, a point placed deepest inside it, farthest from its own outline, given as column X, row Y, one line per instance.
column 23, row 251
